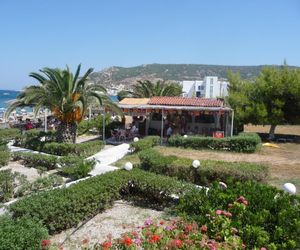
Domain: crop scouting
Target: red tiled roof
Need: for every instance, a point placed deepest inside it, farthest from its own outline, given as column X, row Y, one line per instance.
column 184, row 101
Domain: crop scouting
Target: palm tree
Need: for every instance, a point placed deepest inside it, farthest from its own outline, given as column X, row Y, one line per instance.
column 67, row 96
column 160, row 88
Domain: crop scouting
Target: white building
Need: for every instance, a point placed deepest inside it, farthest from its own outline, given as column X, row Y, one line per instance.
column 209, row 87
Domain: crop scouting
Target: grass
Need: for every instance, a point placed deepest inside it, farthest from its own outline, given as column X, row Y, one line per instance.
column 283, row 162
column 133, row 158
column 280, row 129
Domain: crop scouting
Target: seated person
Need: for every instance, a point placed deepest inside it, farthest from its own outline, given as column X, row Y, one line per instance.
column 28, row 125
column 133, row 128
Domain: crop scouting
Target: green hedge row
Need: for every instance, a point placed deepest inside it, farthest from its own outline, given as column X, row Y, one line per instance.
column 4, row 154
column 268, row 218
column 84, row 149
column 64, row 208
column 9, row 134
column 271, row 218
column 75, row 167
column 39, row 161
column 209, row 171
column 21, row 234
column 34, row 139
column 142, row 144
column 245, row 142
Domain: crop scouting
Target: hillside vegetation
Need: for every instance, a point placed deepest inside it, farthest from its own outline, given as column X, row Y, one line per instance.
column 115, row 76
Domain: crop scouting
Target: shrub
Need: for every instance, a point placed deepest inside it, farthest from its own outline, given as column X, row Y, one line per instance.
column 4, row 157
column 41, row 183
column 263, row 215
column 6, row 185
column 34, row 139
column 142, row 144
column 21, row 234
column 9, row 134
column 209, row 171
column 60, row 209
column 79, row 170
column 174, row 234
column 247, row 143
column 84, row 149
column 33, row 160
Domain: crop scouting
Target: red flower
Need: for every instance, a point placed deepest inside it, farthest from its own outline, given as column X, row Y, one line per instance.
column 161, row 222
column 203, row 229
column 127, row 241
column 45, row 244
column 155, row 238
column 188, row 228
column 106, row 245
column 177, row 243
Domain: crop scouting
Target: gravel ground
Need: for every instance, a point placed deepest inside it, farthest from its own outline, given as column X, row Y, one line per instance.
column 122, row 217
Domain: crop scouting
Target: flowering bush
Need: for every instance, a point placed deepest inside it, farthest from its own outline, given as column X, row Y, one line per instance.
column 261, row 215
column 175, row 234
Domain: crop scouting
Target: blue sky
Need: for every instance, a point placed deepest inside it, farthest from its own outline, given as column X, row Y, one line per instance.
column 99, row 34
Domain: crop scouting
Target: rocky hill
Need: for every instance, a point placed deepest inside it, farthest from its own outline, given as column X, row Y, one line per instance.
column 118, row 78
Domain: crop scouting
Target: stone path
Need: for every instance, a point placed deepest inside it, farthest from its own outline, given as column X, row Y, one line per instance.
column 106, row 157
column 104, row 160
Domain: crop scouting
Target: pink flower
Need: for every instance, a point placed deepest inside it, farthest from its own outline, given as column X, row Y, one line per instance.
column 138, row 241
column 218, row 212
column 263, row 248
column 148, row 222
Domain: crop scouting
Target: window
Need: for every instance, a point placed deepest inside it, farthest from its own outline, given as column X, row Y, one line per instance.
column 211, row 81
column 211, row 91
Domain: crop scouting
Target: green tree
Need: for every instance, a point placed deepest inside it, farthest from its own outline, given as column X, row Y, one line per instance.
column 272, row 98
column 146, row 89
column 67, row 96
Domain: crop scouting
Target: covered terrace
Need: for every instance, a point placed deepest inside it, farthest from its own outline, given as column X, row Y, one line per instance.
column 191, row 116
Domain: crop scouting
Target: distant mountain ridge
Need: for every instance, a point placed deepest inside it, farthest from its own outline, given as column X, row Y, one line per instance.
column 117, row 78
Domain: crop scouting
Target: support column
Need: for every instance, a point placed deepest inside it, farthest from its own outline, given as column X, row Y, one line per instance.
column 232, row 118
column 162, row 127
column 103, row 129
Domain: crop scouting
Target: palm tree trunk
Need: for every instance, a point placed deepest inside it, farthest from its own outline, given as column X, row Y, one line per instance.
column 67, row 132
column 272, row 132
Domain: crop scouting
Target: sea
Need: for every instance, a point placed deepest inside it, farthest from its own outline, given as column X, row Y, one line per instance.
column 8, row 95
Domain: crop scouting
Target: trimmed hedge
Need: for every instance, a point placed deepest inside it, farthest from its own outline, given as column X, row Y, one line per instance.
column 21, row 234
column 269, row 219
column 34, row 139
column 32, row 160
column 209, row 171
column 4, row 154
column 60, row 209
column 245, row 142
column 142, row 144
column 9, row 134
column 4, row 157
column 83, row 149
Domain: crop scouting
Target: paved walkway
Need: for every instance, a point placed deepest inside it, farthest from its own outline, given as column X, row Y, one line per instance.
column 104, row 160
column 106, row 157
